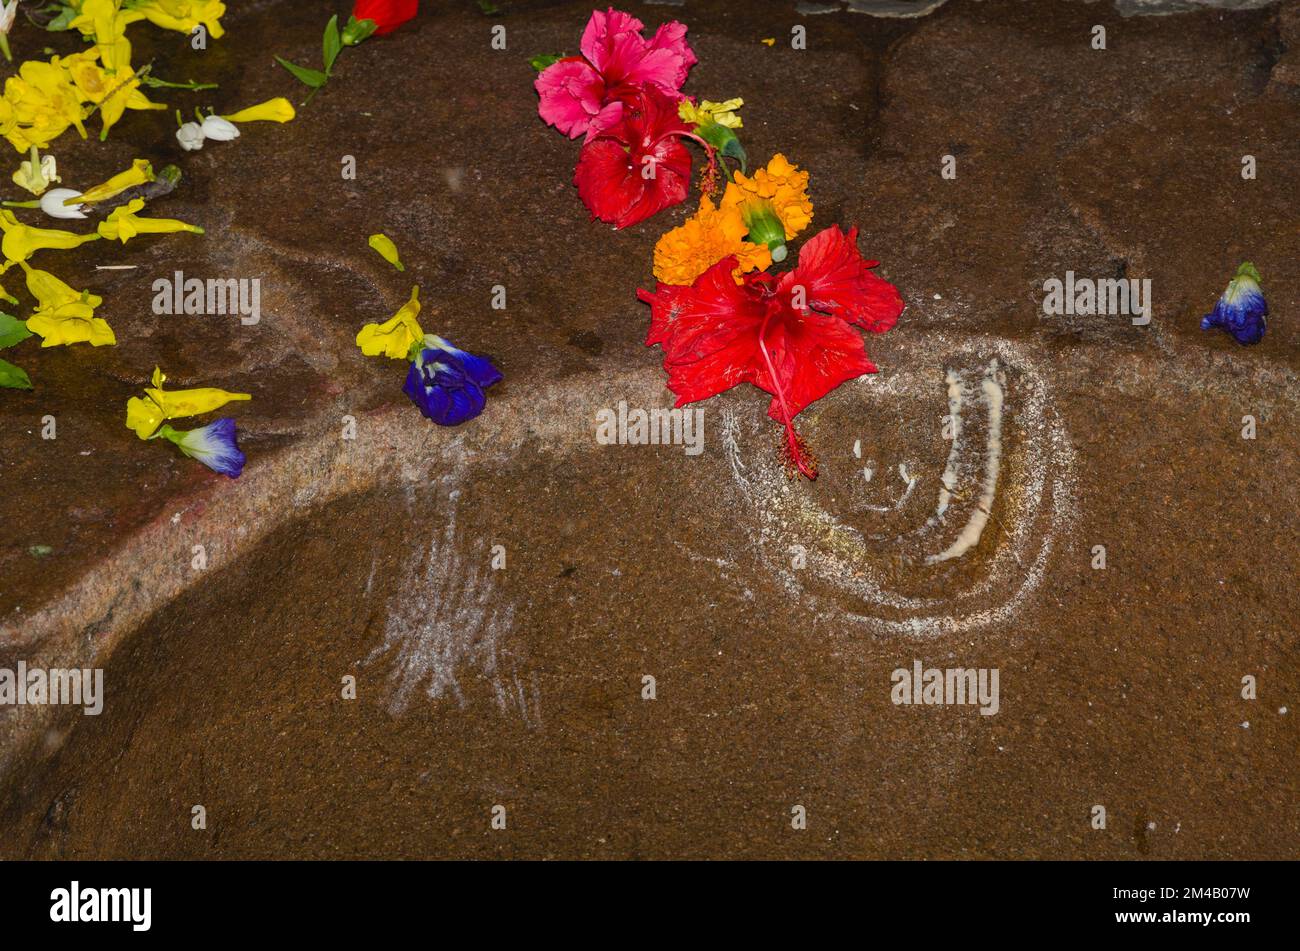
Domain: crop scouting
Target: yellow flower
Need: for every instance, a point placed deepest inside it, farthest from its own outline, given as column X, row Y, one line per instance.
column 8, row 121
column 394, row 337
column 144, row 416
column 123, row 224
column 113, row 91
column 723, row 113
column 182, row 15
column 41, row 103
column 782, row 186
column 278, row 109
column 63, row 315
column 37, row 174
column 387, row 250
column 712, row 234
column 106, row 22
column 22, row 241
column 141, row 171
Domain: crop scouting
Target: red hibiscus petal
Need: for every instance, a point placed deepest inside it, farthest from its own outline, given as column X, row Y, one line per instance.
column 709, row 333
column 638, row 167
column 812, row 354
column 570, row 96
column 606, row 32
column 605, row 180
column 836, row 280
column 387, row 14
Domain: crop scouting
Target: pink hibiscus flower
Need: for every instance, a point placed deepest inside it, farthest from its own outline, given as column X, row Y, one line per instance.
column 581, row 95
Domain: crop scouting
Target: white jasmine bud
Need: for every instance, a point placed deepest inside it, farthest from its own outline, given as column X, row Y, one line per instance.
column 52, row 203
column 190, row 136
column 219, row 129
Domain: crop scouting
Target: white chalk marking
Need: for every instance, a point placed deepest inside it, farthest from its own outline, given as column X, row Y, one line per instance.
column 843, row 557
column 970, row 535
column 949, row 477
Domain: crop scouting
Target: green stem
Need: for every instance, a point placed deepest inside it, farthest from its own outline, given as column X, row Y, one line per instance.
column 156, row 83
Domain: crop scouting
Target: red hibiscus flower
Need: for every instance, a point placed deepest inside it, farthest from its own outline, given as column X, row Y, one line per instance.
column 387, row 14
column 637, row 166
column 789, row 335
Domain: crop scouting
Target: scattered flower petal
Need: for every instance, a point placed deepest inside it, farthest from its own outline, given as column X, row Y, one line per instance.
column 387, row 15
column 55, row 203
column 190, row 136
column 63, row 315
column 143, row 416
column 383, row 244
column 722, row 113
column 218, row 129
column 22, row 241
column 182, row 15
column 278, row 109
column 141, row 171
column 213, row 445
column 1241, row 310
column 37, row 174
column 395, row 337
column 124, row 223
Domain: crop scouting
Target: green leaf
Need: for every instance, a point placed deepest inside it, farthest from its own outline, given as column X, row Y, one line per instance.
column 539, row 63
column 357, row 30
column 332, row 43
column 40, row 551
column 310, row 77
column 13, row 377
column 12, row 331
column 67, row 13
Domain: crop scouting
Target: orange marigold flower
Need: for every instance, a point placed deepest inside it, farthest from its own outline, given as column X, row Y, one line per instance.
column 712, row 234
column 781, row 184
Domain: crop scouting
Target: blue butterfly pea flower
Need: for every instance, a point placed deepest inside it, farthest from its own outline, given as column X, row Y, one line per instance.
column 446, row 383
column 1242, row 310
column 213, row 445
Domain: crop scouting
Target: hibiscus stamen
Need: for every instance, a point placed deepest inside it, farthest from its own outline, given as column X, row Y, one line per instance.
column 796, row 450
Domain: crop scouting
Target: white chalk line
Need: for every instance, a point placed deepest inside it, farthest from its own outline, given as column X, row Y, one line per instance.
column 1041, row 502
column 445, row 617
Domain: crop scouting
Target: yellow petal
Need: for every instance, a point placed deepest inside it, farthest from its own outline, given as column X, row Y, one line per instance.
column 50, row 292
column 70, row 324
column 37, row 174
column 124, row 224
column 278, row 109
column 195, row 402
column 723, row 113
column 387, row 250
column 141, row 171
column 394, row 337
column 22, row 241
column 143, row 416
column 183, row 15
